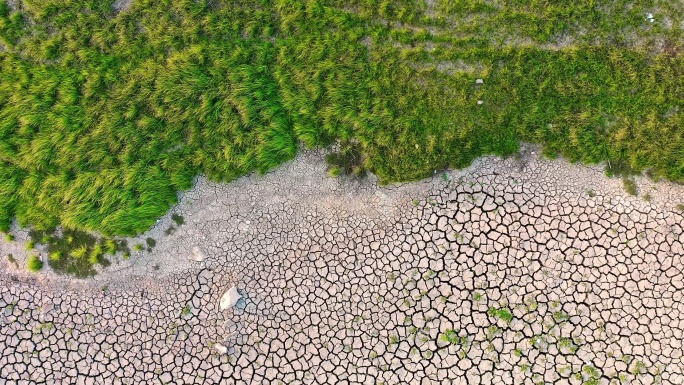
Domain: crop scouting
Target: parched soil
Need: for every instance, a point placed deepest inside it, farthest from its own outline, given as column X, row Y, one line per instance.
column 518, row 270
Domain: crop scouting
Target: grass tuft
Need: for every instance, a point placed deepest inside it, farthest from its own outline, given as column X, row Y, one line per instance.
column 34, row 264
column 630, row 186
column 178, row 219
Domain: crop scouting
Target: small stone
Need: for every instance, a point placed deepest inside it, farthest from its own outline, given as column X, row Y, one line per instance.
column 229, row 298
column 197, row 254
column 479, row 81
column 479, row 102
column 222, row 349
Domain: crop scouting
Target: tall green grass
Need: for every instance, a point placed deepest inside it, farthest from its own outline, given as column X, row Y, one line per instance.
column 105, row 115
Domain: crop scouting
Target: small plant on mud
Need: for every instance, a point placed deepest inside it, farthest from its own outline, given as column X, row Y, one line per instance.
column 79, row 252
column 334, row 172
column 150, row 242
column 451, row 336
column 178, row 219
column 560, row 316
column 110, row 246
column 638, row 368
column 630, row 186
column 591, row 375
column 567, row 344
column 34, row 264
column 503, row 314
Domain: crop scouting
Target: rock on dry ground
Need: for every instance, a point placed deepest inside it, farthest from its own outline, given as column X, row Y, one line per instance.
column 513, row 271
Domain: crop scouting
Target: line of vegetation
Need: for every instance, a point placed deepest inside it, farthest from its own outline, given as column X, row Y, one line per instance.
column 76, row 252
column 106, row 113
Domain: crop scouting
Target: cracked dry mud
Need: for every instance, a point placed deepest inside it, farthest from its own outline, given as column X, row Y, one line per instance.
column 507, row 272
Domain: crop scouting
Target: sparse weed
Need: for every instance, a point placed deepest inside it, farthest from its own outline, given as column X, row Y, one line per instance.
column 34, row 264
column 178, row 219
column 629, row 185
column 502, row 314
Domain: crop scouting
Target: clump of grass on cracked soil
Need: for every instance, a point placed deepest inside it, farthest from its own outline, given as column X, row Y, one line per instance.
column 630, row 186
column 178, row 219
column 502, row 314
column 151, row 243
column 76, row 252
column 34, row 264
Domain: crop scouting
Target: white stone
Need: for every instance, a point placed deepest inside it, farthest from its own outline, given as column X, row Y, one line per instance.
column 479, row 81
column 221, row 348
column 229, row 298
column 479, row 102
column 197, row 254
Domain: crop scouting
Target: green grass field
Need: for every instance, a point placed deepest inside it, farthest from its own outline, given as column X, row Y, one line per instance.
column 105, row 114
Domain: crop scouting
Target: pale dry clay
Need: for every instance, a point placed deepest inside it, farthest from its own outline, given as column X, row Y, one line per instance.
column 512, row 271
